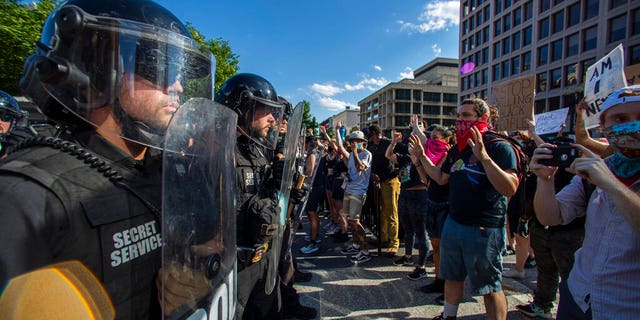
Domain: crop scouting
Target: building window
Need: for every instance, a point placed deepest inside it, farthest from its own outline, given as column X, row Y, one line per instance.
column 465, row 27
column 485, row 55
column 402, row 121
column 403, row 107
column 555, row 2
column 507, row 4
column 450, row 97
column 554, row 103
column 543, row 28
column 570, row 74
column 635, row 22
column 485, row 76
column 449, row 111
column 584, row 66
column 506, row 45
column 505, row 69
column 497, row 28
column 496, row 72
column 515, row 65
column 528, row 34
column 543, row 55
column 485, row 34
column 506, row 23
column 558, row 21
column 526, row 61
column 479, row 18
column 634, row 55
column 431, row 110
column 496, row 50
column 517, row 16
column 616, row 3
column 487, row 13
column 478, row 38
column 417, row 95
column 464, row 46
column 545, row 5
column 574, row 15
column 556, row 50
column 541, row 82
column 498, row 6
column 416, row 108
column 463, row 83
column 573, row 45
column 617, row 28
column 403, row 94
column 528, row 10
column 431, row 96
column 516, row 41
column 556, row 78
column 590, row 39
column 539, row 106
column 592, row 8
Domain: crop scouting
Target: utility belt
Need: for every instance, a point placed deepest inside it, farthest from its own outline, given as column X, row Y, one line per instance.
column 248, row 256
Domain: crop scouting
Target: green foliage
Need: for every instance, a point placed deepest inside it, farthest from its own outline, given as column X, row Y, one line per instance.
column 20, row 27
column 307, row 121
column 226, row 60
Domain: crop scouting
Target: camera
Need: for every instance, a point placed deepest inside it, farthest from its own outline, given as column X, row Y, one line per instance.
column 563, row 156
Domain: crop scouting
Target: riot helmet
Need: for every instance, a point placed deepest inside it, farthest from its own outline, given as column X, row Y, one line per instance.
column 132, row 56
column 10, row 113
column 256, row 102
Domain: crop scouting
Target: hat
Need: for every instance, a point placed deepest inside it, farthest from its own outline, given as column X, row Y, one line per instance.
column 357, row 135
column 620, row 96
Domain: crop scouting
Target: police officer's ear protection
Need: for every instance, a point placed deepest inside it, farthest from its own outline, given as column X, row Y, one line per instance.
column 54, row 70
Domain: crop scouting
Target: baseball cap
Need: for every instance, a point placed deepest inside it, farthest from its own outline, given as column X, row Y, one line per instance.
column 357, row 135
column 620, row 96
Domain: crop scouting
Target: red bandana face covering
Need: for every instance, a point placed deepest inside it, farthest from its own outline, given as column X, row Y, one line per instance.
column 435, row 150
column 463, row 131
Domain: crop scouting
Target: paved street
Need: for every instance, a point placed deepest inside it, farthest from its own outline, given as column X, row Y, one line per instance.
column 380, row 290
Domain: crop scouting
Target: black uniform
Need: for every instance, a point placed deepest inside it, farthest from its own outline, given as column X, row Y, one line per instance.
column 256, row 218
column 56, row 208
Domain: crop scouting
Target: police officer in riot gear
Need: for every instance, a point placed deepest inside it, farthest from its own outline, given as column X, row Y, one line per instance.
column 10, row 116
column 113, row 72
column 259, row 116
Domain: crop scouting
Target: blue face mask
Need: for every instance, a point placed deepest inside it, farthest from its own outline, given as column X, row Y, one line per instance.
column 625, row 137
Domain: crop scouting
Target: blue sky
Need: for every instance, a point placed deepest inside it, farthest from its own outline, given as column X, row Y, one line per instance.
column 331, row 53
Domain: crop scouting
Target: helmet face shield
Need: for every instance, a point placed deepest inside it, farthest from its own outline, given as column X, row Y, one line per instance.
column 143, row 72
column 265, row 119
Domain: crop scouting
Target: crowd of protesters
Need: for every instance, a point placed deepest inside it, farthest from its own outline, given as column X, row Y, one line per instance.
column 462, row 197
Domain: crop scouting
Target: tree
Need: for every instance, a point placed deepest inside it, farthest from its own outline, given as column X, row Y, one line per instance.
column 307, row 121
column 226, row 60
column 20, row 27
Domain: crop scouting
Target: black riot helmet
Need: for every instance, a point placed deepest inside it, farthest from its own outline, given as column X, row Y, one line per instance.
column 95, row 54
column 254, row 99
column 10, row 113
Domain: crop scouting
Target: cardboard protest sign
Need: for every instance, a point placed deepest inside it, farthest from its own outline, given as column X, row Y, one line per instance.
column 602, row 78
column 633, row 74
column 552, row 121
column 514, row 100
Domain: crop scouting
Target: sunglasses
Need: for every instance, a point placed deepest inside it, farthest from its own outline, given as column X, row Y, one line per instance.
column 6, row 116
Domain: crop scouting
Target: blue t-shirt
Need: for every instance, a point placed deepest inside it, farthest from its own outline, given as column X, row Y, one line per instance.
column 359, row 180
column 472, row 198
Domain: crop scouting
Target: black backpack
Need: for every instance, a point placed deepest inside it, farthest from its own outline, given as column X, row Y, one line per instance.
column 522, row 160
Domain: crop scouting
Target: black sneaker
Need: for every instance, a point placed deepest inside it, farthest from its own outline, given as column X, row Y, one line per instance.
column 350, row 250
column 533, row 311
column 417, row 274
column 436, row 286
column 299, row 276
column 301, row 312
column 440, row 300
column 441, row 317
column 403, row 261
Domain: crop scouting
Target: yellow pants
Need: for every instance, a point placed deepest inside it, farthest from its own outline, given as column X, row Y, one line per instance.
column 390, row 191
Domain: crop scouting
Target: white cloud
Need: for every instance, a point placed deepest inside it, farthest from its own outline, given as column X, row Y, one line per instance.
column 436, row 50
column 377, row 67
column 333, row 104
column 407, row 73
column 372, row 84
column 437, row 15
column 326, row 89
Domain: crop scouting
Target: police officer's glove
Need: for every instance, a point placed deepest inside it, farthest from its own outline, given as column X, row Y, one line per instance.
column 278, row 171
column 298, row 195
column 523, row 227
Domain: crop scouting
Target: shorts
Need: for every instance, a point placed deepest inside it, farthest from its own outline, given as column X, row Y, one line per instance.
column 474, row 252
column 337, row 193
column 352, row 205
column 315, row 198
column 436, row 215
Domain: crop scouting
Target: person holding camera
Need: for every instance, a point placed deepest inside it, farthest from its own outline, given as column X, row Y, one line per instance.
column 604, row 282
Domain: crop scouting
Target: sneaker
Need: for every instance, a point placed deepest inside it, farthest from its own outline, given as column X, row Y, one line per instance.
column 530, row 263
column 509, row 251
column 391, row 252
column 417, row 274
column 440, row 300
column 299, row 276
column 441, row 317
column 361, row 257
column 350, row 250
column 327, row 225
column 310, row 248
column 533, row 311
column 308, row 239
column 436, row 286
column 513, row 273
column 403, row 261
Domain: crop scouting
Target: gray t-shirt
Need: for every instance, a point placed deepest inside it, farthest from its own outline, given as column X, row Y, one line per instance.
column 358, row 181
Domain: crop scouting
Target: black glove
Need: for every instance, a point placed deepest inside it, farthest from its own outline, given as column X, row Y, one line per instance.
column 277, row 172
column 298, row 195
column 523, row 227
